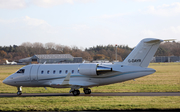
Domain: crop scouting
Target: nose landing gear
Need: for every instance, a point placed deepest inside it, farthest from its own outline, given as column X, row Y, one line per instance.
column 19, row 90
column 19, row 93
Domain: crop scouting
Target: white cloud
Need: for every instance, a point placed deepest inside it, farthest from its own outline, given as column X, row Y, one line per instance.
column 50, row 3
column 147, row 33
column 164, row 10
column 3, row 21
column 172, row 32
column 34, row 22
column 144, row 0
column 38, row 24
column 28, row 23
column 175, row 29
column 139, row 0
column 107, row 16
column 25, row 20
column 18, row 4
column 80, row 27
column 12, row 4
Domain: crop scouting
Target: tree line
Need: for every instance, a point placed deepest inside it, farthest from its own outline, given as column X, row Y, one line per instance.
column 99, row 52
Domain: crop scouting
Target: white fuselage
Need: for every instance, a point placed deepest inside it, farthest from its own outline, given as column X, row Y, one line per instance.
column 52, row 75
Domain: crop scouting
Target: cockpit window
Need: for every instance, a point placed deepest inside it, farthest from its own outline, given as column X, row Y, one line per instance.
column 21, row 71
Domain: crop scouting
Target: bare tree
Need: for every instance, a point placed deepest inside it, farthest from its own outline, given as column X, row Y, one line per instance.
column 38, row 48
column 50, row 45
column 59, row 48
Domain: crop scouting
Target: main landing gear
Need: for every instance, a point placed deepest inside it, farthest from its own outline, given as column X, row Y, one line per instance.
column 76, row 92
column 87, row 91
column 19, row 90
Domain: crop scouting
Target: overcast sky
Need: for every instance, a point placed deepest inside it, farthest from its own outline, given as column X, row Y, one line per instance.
column 87, row 23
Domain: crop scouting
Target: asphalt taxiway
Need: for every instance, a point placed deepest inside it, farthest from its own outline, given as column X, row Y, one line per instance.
column 92, row 94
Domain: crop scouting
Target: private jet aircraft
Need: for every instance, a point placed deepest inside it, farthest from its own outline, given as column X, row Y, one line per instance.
column 88, row 75
column 11, row 63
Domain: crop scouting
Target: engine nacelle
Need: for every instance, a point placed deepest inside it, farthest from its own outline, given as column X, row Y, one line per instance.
column 93, row 69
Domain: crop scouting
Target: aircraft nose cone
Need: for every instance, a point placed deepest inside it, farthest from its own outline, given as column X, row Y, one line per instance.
column 5, row 81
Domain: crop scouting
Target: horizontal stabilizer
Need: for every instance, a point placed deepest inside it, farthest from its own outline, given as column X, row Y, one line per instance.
column 154, row 41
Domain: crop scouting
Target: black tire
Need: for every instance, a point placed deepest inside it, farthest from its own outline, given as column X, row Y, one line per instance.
column 76, row 92
column 87, row 91
column 19, row 93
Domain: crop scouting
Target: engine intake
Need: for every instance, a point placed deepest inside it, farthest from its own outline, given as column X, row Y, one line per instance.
column 93, row 69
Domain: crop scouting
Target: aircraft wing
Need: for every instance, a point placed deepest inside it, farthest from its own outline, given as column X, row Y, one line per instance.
column 67, row 83
column 79, row 83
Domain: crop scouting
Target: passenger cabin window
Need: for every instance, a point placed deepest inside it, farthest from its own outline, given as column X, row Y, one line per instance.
column 66, row 71
column 72, row 71
column 54, row 72
column 21, row 71
column 42, row 72
column 60, row 71
column 48, row 72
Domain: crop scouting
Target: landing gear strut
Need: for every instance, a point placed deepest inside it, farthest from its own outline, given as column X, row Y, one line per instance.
column 87, row 91
column 19, row 90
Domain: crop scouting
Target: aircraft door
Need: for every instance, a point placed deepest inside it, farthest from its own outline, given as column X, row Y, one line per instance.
column 27, row 73
column 34, row 72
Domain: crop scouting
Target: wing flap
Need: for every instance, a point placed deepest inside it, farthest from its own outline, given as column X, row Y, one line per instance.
column 80, row 84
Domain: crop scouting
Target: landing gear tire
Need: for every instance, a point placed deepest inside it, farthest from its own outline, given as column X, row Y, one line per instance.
column 87, row 91
column 19, row 93
column 76, row 92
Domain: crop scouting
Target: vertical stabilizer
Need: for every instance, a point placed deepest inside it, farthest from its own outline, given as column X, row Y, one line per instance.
column 7, row 62
column 143, row 53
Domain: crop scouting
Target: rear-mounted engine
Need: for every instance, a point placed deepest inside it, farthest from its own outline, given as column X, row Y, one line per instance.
column 93, row 69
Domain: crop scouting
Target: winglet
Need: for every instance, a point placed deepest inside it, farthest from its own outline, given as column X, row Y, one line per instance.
column 169, row 40
column 66, row 80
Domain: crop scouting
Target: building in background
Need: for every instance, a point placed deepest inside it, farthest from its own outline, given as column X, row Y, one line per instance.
column 100, row 61
column 166, row 59
column 51, row 58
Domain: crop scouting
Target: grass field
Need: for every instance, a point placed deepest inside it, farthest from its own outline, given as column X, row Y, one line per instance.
column 166, row 79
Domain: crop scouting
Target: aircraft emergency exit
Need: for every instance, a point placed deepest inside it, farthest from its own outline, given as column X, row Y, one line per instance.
column 75, row 76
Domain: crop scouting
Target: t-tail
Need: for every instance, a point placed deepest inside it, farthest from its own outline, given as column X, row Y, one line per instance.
column 143, row 53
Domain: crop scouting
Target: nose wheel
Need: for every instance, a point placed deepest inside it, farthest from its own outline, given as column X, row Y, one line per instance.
column 19, row 93
column 19, row 90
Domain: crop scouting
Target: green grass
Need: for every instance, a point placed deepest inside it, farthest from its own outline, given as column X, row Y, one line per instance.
column 87, row 103
column 166, row 79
